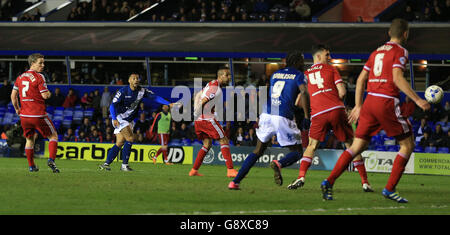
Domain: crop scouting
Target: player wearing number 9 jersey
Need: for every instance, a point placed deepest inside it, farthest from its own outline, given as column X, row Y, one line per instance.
column 287, row 86
column 33, row 92
column 326, row 92
column 383, row 74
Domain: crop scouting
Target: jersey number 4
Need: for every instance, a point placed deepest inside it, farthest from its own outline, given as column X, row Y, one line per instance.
column 316, row 79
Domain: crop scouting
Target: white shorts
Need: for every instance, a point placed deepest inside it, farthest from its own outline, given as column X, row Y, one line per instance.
column 122, row 124
column 285, row 129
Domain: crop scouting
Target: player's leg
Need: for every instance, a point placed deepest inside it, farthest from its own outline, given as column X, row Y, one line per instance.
column 49, row 131
column 200, row 156
column 248, row 164
column 305, row 163
column 127, row 133
column 406, row 148
column 29, row 152
column 357, row 147
column 113, row 152
column 358, row 163
column 225, row 149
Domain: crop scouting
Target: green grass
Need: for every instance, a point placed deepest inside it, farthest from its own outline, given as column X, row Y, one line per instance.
column 81, row 188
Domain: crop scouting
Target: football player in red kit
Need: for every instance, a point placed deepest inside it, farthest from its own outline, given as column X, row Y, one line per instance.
column 383, row 74
column 206, row 126
column 32, row 90
column 326, row 92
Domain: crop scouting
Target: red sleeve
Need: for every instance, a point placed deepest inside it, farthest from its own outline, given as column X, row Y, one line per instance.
column 42, row 85
column 16, row 84
column 369, row 63
column 400, row 58
column 336, row 76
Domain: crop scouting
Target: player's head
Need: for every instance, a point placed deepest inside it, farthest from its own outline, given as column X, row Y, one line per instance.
column 295, row 59
column 223, row 75
column 165, row 108
column 399, row 30
column 321, row 53
column 134, row 79
column 36, row 62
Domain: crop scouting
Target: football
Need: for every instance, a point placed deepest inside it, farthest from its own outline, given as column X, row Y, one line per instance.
column 434, row 94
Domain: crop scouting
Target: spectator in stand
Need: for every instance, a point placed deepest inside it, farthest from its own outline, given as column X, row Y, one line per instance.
column 85, row 126
column 86, row 101
column 422, row 129
column 95, row 137
column 437, row 136
column 57, row 98
column 409, row 14
column 142, row 123
column 69, row 135
column 71, row 99
column 105, row 102
column 81, row 137
column 446, row 113
column 109, row 138
column 302, row 9
column 407, row 108
column 116, row 79
column 239, row 137
column 426, row 141
column 185, row 133
column 446, row 140
column 5, row 93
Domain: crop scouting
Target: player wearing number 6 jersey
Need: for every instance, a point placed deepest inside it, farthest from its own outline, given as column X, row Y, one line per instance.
column 383, row 74
column 326, row 92
column 32, row 90
column 287, row 87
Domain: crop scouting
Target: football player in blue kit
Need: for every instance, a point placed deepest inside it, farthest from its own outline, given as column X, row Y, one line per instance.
column 287, row 89
column 124, row 109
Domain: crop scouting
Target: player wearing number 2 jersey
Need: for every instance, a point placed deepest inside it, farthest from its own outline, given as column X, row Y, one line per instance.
column 33, row 92
column 286, row 87
column 383, row 74
column 326, row 92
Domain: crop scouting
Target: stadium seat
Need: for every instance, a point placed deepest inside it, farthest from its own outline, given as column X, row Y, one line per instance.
column 380, row 148
column 186, row 142
column 89, row 112
column 197, row 142
column 419, row 149
column 443, row 150
column 68, row 112
column 393, row 148
column 58, row 111
column 430, row 150
column 50, row 110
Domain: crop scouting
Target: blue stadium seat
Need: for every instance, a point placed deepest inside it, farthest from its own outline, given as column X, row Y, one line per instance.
column 393, row 148
column 380, row 148
column 186, row 142
column 68, row 112
column 58, row 111
column 443, row 150
column 419, row 149
column 50, row 110
column 89, row 112
column 430, row 150
column 197, row 142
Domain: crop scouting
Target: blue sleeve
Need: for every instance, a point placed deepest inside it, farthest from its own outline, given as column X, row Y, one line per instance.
column 301, row 79
column 117, row 99
column 158, row 99
column 112, row 110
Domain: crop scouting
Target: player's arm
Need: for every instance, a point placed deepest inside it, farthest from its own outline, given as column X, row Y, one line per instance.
column 359, row 95
column 342, row 91
column 403, row 85
column 46, row 95
column 304, row 100
column 15, row 100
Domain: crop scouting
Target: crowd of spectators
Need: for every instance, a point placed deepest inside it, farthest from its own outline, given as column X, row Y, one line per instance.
column 427, row 11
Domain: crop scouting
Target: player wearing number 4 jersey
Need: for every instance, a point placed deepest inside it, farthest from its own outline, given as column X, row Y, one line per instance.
column 383, row 74
column 32, row 90
column 326, row 91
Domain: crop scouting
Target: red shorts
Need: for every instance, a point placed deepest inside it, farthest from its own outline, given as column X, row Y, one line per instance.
column 336, row 120
column 382, row 113
column 163, row 138
column 208, row 129
column 42, row 124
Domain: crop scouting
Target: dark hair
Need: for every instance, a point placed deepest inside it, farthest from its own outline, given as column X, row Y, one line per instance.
column 398, row 27
column 295, row 59
column 318, row 48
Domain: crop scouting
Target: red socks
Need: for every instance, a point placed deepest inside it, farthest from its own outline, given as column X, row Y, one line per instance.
column 52, row 148
column 342, row 164
column 359, row 165
column 29, row 152
column 304, row 166
column 225, row 149
column 199, row 160
column 397, row 171
column 164, row 152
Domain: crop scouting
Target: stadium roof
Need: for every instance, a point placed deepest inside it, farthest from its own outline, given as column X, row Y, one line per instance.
column 347, row 40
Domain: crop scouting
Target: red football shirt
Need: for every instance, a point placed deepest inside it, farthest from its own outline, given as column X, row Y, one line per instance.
column 323, row 94
column 30, row 86
column 380, row 64
column 210, row 91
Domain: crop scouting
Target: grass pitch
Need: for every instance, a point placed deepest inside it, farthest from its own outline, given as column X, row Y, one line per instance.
column 81, row 188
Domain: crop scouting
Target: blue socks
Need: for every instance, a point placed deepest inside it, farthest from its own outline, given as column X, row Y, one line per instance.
column 248, row 163
column 112, row 154
column 290, row 159
column 126, row 152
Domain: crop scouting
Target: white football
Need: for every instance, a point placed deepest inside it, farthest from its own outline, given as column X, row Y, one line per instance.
column 434, row 94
